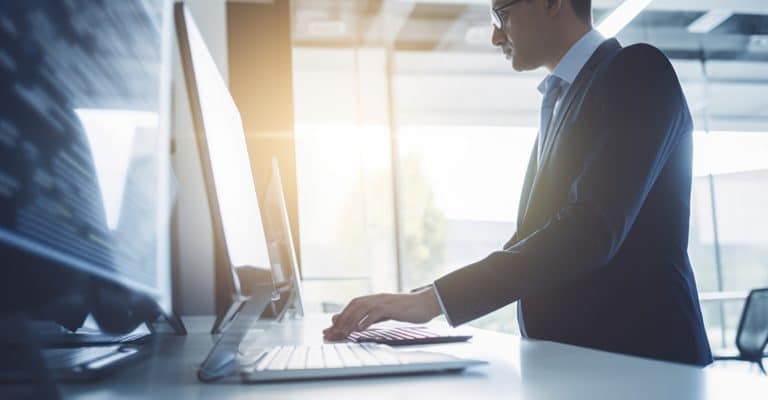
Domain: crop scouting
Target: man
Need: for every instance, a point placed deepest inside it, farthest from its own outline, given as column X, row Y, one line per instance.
column 599, row 258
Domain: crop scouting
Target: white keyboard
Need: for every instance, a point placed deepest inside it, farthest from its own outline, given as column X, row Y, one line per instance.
column 341, row 359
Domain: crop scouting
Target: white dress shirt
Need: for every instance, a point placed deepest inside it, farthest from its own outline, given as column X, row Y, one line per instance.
column 573, row 61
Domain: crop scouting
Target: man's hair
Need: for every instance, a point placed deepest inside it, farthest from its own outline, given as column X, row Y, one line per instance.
column 583, row 9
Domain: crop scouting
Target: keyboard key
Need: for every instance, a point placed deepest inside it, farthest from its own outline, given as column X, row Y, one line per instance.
column 348, row 358
column 383, row 354
column 365, row 357
column 416, row 333
column 298, row 358
column 315, row 357
column 267, row 359
column 331, row 357
column 281, row 358
column 355, row 335
column 399, row 335
column 386, row 335
column 405, row 336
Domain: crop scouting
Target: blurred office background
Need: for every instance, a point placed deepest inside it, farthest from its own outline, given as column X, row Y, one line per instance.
column 412, row 135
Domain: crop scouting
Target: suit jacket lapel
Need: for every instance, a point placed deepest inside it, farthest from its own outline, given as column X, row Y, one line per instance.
column 526, row 191
column 576, row 89
column 606, row 48
column 530, row 174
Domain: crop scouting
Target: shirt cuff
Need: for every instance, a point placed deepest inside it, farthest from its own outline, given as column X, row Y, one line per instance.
column 442, row 307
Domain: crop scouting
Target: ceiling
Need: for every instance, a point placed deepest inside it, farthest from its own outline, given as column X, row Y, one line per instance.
column 445, row 70
column 463, row 25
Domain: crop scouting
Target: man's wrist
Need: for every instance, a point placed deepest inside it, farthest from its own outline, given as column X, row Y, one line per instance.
column 430, row 300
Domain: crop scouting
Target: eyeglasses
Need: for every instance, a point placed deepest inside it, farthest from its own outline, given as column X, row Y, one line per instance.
column 497, row 15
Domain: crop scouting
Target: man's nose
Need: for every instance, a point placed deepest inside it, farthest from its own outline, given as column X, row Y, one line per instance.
column 498, row 37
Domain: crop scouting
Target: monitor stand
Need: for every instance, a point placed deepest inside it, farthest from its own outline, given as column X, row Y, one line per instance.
column 293, row 308
column 168, row 323
column 237, row 303
column 92, row 336
column 224, row 319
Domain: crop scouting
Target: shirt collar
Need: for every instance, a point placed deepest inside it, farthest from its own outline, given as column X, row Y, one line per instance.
column 575, row 58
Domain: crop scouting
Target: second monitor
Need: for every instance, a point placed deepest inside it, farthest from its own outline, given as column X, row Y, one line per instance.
column 282, row 250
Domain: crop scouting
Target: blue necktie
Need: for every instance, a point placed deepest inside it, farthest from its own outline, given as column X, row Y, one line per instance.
column 553, row 89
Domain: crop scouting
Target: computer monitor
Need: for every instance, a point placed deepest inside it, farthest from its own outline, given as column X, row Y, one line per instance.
column 85, row 183
column 238, row 231
column 282, row 250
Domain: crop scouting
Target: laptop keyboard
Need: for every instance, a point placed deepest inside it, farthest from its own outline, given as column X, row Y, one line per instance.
column 405, row 336
column 67, row 358
column 337, row 355
column 93, row 339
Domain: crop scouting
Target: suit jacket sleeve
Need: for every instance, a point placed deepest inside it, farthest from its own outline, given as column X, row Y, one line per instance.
column 643, row 116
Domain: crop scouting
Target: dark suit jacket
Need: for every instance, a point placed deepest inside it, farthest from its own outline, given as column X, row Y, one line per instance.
column 600, row 257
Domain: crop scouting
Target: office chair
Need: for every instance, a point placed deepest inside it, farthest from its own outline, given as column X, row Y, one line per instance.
column 752, row 336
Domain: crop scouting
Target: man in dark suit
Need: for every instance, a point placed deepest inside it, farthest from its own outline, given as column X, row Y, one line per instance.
column 599, row 258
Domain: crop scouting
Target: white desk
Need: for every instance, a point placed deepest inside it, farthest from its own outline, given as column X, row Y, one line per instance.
column 518, row 369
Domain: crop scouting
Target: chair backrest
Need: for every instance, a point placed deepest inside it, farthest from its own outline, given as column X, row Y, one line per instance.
column 752, row 335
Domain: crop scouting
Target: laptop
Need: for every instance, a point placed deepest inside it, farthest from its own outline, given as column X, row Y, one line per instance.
column 239, row 234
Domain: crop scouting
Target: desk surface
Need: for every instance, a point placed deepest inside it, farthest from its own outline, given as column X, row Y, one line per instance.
column 518, row 369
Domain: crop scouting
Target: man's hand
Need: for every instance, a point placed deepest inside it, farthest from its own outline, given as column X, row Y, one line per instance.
column 364, row 311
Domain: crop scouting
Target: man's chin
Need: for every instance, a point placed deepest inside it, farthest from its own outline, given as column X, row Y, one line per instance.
column 520, row 65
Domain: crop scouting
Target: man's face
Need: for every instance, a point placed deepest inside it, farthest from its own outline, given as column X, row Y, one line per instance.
column 523, row 35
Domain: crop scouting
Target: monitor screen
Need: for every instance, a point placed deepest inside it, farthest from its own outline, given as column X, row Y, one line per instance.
column 84, row 139
column 224, row 154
